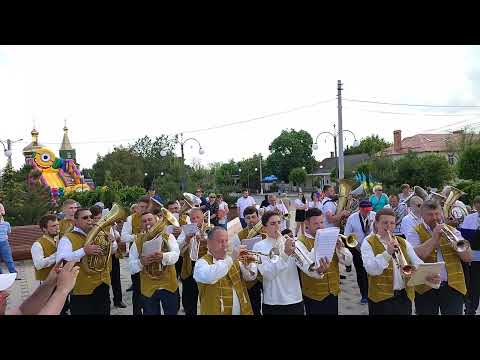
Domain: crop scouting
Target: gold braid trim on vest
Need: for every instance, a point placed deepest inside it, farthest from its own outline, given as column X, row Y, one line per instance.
column 453, row 264
column 242, row 235
column 85, row 284
column 319, row 289
column 380, row 287
column 168, row 279
column 136, row 223
column 187, row 268
column 217, row 299
column 49, row 248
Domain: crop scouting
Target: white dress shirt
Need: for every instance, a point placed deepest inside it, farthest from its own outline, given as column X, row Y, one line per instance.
column 299, row 205
column 376, row 265
column 209, row 274
column 65, row 252
column 280, row 207
column 169, row 258
column 414, row 239
column 354, row 226
column 281, row 284
column 127, row 236
column 242, row 203
column 344, row 257
column 328, row 206
column 312, row 204
column 409, row 222
column 39, row 260
column 472, row 222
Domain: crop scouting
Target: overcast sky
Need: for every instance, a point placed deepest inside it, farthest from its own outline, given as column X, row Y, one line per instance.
column 112, row 95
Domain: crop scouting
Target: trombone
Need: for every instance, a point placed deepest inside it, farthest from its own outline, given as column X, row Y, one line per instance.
column 405, row 269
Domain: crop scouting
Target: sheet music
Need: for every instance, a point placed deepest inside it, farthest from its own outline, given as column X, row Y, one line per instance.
column 152, row 246
column 325, row 242
column 234, row 227
column 425, row 270
column 190, row 229
column 251, row 242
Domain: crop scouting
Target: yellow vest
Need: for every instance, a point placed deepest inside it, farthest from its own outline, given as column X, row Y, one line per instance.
column 455, row 276
column 187, row 269
column 168, row 278
column 380, row 287
column 242, row 235
column 86, row 283
column 136, row 223
column 65, row 226
column 49, row 248
column 212, row 296
column 319, row 289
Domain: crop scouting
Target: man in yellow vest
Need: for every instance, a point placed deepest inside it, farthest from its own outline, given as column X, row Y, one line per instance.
column 250, row 214
column 432, row 246
column 320, row 287
column 190, row 288
column 132, row 227
column 44, row 249
column 91, row 294
column 221, row 278
column 161, row 288
column 69, row 207
column 388, row 293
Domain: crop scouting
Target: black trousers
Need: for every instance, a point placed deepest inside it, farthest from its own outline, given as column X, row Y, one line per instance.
column 255, row 295
column 291, row 309
column 137, row 298
column 362, row 277
column 178, row 269
column 97, row 303
column 399, row 304
column 472, row 280
column 328, row 306
column 190, row 294
column 446, row 299
column 115, row 277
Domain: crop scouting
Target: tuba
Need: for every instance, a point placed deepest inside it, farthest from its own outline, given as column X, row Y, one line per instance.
column 190, row 201
column 154, row 270
column 94, row 264
column 344, row 201
column 450, row 211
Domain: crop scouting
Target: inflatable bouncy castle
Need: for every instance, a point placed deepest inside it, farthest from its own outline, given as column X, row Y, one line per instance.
column 60, row 174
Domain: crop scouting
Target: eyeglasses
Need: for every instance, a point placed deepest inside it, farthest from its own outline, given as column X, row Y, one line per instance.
column 87, row 217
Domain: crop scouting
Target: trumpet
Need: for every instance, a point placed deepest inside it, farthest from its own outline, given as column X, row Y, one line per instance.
column 301, row 258
column 459, row 245
column 350, row 240
column 273, row 255
column 400, row 261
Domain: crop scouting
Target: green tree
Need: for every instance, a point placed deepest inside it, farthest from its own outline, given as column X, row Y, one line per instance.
column 121, row 164
column 468, row 164
column 289, row 150
column 436, row 171
column 369, row 145
column 297, row 176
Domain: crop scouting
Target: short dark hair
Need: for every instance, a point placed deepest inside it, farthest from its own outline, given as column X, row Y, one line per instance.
column 171, row 202
column 212, row 232
column 147, row 212
column 243, row 190
column 45, row 219
column 395, row 196
column 80, row 210
column 144, row 199
column 430, row 205
column 95, row 210
column 384, row 212
column 250, row 210
column 286, row 231
column 313, row 212
column 326, row 187
column 267, row 215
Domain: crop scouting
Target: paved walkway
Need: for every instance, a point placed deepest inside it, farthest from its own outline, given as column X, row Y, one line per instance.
column 349, row 297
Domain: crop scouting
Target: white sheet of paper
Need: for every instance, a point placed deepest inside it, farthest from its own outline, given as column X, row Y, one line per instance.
column 189, row 229
column 152, row 246
column 325, row 242
column 424, row 270
column 234, row 227
column 252, row 241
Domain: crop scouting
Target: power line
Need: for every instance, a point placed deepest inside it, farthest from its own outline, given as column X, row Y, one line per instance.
column 414, row 105
column 411, row 114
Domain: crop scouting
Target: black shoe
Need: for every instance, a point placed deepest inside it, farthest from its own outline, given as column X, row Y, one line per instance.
column 343, row 277
column 120, row 304
column 130, row 288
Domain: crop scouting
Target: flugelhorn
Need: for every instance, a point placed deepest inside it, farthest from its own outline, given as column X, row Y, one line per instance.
column 273, row 255
column 459, row 245
column 400, row 261
column 350, row 240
